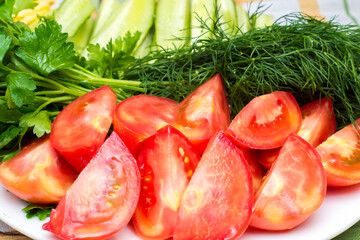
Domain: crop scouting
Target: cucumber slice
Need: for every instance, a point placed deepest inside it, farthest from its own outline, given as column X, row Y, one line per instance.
column 136, row 15
column 172, row 21
column 227, row 13
column 243, row 22
column 107, row 10
column 147, row 45
column 81, row 37
column 73, row 13
column 263, row 20
column 205, row 10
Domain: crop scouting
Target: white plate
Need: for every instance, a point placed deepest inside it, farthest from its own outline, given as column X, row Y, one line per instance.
column 340, row 210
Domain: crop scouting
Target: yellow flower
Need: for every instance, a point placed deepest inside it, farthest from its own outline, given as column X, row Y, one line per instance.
column 29, row 16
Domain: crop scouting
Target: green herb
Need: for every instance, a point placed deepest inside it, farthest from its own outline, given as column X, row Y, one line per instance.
column 39, row 76
column 38, row 210
column 46, row 49
column 308, row 57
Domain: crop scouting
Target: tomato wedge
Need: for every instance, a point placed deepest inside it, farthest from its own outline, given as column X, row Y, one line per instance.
column 293, row 188
column 81, row 127
column 266, row 121
column 102, row 199
column 167, row 161
column 217, row 202
column 204, row 112
column 340, row 155
column 38, row 174
column 138, row 117
column 318, row 123
column 257, row 170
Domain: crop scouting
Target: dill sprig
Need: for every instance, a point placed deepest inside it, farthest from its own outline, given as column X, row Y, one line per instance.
column 308, row 57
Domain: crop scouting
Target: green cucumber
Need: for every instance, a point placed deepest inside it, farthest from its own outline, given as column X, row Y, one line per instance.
column 205, row 10
column 227, row 13
column 73, row 13
column 136, row 15
column 172, row 21
column 81, row 37
column 243, row 22
column 147, row 45
column 263, row 20
column 107, row 10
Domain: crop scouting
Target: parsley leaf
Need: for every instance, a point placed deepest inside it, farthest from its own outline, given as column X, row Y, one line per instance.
column 46, row 50
column 116, row 56
column 41, row 211
column 6, row 10
column 5, row 42
column 9, row 116
column 41, row 122
column 8, row 135
column 20, row 89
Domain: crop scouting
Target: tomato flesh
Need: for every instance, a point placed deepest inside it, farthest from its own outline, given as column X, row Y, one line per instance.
column 167, row 161
column 257, row 170
column 340, row 155
column 266, row 121
column 81, row 127
column 318, row 123
column 38, row 174
column 102, row 199
column 204, row 112
column 138, row 117
column 293, row 188
column 217, row 202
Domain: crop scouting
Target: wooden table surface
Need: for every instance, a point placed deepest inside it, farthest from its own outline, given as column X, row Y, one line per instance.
column 13, row 236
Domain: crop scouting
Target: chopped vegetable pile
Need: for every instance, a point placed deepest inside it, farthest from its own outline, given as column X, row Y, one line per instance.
column 234, row 123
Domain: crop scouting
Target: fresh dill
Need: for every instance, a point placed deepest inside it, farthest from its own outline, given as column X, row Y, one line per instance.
column 308, row 57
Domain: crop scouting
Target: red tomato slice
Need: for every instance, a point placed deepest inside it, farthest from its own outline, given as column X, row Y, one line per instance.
column 81, row 127
column 217, row 202
column 266, row 121
column 138, row 117
column 167, row 161
column 257, row 170
column 318, row 123
column 102, row 199
column 340, row 155
column 38, row 174
column 204, row 112
column 293, row 188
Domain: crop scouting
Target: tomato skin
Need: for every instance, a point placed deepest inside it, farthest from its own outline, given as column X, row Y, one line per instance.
column 81, row 127
column 217, row 202
column 138, row 117
column 340, row 156
column 266, row 121
column 293, row 188
column 318, row 123
column 166, row 161
column 204, row 112
column 102, row 199
column 38, row 174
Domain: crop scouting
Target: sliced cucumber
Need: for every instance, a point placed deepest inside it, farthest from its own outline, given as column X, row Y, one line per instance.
column 227, row 14
column 81, row 37
column 263, row 20
column 107, row 10
column 146, row 45
column 243, row 22
column 204, row 10
column 73, row 13
column 172, row 21
column 136, row 15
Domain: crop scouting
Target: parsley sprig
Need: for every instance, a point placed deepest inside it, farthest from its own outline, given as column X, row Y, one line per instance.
column 40, row 74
